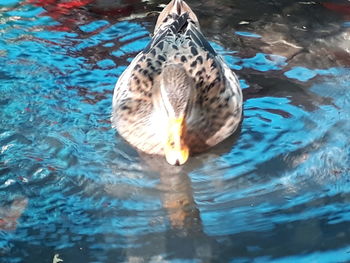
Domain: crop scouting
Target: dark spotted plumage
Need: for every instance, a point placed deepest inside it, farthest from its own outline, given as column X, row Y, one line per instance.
column 217, row 109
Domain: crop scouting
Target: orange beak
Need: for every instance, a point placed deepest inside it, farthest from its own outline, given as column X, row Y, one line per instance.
column 175, row 149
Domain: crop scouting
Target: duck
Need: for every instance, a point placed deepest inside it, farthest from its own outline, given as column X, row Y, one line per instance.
column 178, row 97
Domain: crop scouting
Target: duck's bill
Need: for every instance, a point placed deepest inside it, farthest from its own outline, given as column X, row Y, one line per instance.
column 176, row 151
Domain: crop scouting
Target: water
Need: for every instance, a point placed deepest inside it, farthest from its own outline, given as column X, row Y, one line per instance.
column 72, row 189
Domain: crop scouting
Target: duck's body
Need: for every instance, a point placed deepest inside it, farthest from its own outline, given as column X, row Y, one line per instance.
column 177, row 76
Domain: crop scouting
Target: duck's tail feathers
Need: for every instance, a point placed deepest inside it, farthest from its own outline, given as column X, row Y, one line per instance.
column 172, row 11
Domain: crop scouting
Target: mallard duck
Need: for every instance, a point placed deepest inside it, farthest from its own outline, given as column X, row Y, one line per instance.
column 178, row 96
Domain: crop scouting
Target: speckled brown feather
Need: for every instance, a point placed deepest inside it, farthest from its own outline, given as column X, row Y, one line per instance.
column 218, row 106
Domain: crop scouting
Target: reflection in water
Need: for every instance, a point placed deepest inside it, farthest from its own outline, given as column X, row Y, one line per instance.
column 69, row 14
column 178, row 201
column 70, row 186
column 11, row 213
column 183, row 215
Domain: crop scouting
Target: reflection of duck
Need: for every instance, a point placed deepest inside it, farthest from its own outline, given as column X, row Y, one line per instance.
column 177, row 96
column 178, row 200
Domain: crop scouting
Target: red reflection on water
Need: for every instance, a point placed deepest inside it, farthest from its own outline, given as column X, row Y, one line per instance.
column 341, row 8
column 58, row 8
column 66, row 11
column 10, row 214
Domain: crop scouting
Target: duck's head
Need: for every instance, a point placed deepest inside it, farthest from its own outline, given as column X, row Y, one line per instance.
column 174, row 99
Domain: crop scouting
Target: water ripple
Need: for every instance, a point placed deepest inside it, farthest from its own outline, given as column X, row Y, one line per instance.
column 70, row 185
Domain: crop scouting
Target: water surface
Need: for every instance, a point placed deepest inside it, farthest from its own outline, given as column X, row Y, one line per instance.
column 278, row 191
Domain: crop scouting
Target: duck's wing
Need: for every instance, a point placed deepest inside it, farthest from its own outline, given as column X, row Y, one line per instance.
column 176, row 25
column 171, row 12
column 178, row 20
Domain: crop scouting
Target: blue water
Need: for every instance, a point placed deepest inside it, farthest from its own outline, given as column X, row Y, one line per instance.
column 279, row 191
